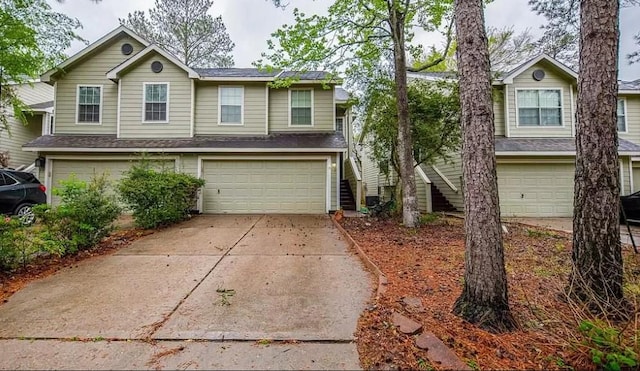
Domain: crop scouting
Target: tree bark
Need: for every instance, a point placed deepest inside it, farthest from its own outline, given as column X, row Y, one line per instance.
column 410, row 211
column 484, row 300
column 596, row 276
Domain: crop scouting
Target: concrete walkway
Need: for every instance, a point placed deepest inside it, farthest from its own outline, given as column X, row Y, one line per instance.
column 202, row 295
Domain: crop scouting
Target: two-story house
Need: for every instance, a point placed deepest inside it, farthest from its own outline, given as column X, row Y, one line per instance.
column 260, row 149
column 535, row 125
column 39, row 97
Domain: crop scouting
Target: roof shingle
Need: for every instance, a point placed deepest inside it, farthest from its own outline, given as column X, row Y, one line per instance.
column 551, row 145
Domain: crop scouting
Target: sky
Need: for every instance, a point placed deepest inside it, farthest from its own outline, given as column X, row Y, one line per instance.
column 250, row 23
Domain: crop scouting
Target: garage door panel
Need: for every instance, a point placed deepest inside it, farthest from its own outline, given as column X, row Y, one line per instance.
column 536, row 189
column 264, row 186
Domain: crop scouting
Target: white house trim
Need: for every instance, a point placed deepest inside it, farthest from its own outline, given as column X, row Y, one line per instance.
column 184, row 150
column 313, row 103
column 536, row 127
column 328, row 160
column 266, row 110
column 525, row 66
column 192, row 113
column 220, row 123
column 144, row 101
column 115, row 72
column 77, row 110
column 46, row 77
column 118, row 110
column 631, row 176
column 572, row 111
column 626, row 116
column 507, row 114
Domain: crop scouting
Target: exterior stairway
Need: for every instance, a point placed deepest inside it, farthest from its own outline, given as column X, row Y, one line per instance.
column 347, row 201
column 440, row 203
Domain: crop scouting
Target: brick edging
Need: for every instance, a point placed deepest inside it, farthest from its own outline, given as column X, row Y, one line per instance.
column 382, row 279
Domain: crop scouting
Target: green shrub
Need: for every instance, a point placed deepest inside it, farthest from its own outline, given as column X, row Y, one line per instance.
column 19, row 244
column 85, row 215
column 608, row 350
column 158, row 198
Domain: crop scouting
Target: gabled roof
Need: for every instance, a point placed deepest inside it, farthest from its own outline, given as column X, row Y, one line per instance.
column 341, row 95
column 629, row 87
column 509, row 76
column 114, row 73
column 46, row 77
column 237, row 72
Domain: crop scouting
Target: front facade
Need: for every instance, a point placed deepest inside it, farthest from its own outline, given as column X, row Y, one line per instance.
column 260, row 149
column 534, row 110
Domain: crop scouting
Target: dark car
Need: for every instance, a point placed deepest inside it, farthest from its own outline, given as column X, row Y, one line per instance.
column 19, row 191
column 631, row 206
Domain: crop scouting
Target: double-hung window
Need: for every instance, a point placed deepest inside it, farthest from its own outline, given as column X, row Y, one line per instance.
column 622, row 115
column 301, row 107
column 89, row 104
column 156, row 102
column 541, row 107
column 231, row 105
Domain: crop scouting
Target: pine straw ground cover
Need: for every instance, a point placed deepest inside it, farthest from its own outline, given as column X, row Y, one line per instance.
column 428, row 263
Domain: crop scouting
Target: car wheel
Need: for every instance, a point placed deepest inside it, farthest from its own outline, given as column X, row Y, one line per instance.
column 25, row 214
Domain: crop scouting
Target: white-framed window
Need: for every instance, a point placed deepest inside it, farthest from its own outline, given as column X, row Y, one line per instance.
column 301, row 107
column 622, row 115
column 539, row 107
column 89, row 104
column 156, row 102
column 231, row 105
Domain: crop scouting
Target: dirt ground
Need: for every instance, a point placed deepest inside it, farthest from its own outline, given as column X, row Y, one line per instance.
column 428, row 263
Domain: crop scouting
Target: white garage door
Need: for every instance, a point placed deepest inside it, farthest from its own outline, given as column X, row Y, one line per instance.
column 87, row 169
column 536, row 190
column 265, row 186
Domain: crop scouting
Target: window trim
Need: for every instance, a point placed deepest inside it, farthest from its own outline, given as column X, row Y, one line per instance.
column 517, row 110
column 290, row 106
column 626, row 121
column 144, row 101
column 77, row 113
column 220, row 123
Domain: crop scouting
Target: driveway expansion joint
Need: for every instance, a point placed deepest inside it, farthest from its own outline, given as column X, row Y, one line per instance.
column 157, row 325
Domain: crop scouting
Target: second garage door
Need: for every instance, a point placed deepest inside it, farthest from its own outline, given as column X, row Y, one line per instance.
column 265, row 186
column 536, row 190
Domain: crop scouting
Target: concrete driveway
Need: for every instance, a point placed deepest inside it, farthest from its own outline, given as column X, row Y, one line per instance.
column 211, row 293
column 566, row 225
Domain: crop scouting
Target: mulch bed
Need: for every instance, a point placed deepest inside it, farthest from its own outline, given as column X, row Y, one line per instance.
column 45, row 266
column 428, row 263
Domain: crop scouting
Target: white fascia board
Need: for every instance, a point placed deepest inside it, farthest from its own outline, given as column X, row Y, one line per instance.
column 46, row 77
column 509, row 78
column 113, row 74
column 187, row 150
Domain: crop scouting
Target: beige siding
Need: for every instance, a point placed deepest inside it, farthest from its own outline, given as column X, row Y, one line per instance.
column 188, row 164
column 633, row 118
column 91, row 72
column 323, row 110
column 498, row 110
column 421, row 190
column 38, row 92
column 206, row 119
column 553, row 80
column 370, row 173
column 636, row 176
column 179, row 125
column 18, row 135
column 452, row 170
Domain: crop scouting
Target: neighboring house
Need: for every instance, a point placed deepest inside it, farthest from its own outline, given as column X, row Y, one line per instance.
column 39, row 97
column 534, row 109
column 260, row 149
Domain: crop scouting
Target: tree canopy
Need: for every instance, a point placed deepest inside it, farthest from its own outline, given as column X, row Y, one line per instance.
column 185, row 29
column 32, row 39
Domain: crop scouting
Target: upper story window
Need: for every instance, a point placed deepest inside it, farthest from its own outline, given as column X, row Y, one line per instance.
column 231, row 105
column 301, row 103
column 340, row 124
column 540, row 107
column 89, row 104
column 622, row 115
column 156, row 102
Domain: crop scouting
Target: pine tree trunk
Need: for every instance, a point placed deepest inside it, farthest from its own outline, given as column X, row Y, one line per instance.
column 410, row 211
column 597, row 257
column 484, row 299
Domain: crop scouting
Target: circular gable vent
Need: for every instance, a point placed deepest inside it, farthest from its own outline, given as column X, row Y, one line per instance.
column 156, row 66
column 126, row 49
column 538, row 75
